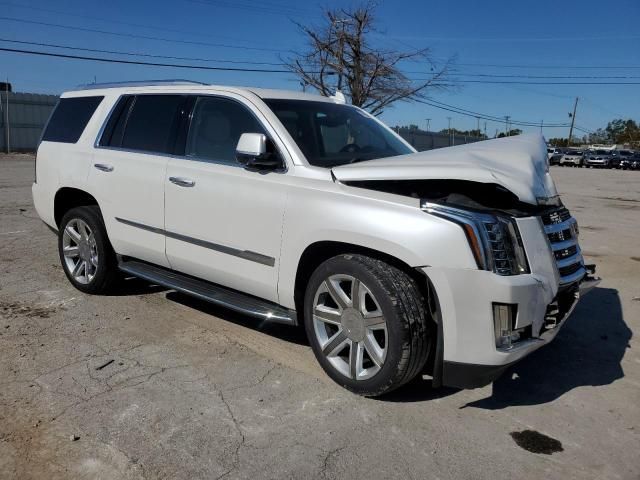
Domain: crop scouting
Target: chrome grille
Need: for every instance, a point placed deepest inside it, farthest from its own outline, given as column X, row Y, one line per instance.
column 562, row 231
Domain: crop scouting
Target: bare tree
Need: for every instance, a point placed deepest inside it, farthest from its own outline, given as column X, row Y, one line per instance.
column 340, row 54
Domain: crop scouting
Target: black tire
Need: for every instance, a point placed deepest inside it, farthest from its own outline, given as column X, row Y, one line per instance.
column 410, row 329
column 106, row 273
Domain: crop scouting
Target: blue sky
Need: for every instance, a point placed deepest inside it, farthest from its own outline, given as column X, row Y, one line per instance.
column 534, row 36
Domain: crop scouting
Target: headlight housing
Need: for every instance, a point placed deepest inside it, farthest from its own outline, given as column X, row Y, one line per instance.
column 494, row 239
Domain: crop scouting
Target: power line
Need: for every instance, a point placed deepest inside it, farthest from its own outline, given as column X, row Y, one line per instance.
column 143, row 37
column 263, row 7
column 468, row 113
column 493, row 118
column 547, row 77
column 264, row 70
column 458, row 80
column 525, row 82
column 246, row 62
column 120, row 22
column 152, row 64
column 588, row 67
column 138, row 54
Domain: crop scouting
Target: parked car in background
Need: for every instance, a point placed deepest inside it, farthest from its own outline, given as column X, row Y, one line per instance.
column 573, row 158
column 597, row 159
column 631, row 162
column 617, row 156
column 554, row 155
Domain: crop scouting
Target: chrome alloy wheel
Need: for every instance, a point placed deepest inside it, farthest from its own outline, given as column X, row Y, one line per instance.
column 80, row 251
column 350, row 327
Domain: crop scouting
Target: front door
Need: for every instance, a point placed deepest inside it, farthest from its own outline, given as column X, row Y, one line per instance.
column 223, row 223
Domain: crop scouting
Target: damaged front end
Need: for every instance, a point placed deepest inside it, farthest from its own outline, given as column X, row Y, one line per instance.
column 530, row 270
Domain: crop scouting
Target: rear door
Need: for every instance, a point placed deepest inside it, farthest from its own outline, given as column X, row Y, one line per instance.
column 223, row 222
column 128, row 172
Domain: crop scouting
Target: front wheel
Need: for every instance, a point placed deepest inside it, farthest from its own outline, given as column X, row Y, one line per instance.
column 367, row 324
column 85, row 251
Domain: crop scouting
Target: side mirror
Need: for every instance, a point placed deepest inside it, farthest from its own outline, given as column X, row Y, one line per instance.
column 252, row 152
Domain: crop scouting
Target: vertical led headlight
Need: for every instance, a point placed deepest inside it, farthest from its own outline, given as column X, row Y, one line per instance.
column 506, row 248
column 494, row 239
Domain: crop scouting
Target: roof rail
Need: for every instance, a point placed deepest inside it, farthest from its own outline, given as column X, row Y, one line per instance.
column 139, row 83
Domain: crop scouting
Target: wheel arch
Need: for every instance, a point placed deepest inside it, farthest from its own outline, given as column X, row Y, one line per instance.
column 320, row 251
column 67, row 198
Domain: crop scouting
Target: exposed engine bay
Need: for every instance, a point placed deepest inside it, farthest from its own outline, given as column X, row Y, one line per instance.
column 456, row 193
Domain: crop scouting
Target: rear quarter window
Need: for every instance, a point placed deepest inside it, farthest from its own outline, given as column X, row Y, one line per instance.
column 70, row 118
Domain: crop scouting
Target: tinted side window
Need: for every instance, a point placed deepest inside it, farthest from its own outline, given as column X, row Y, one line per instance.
column 216, row 126
column 114, row 129
column 70, row 119
column 151, row 125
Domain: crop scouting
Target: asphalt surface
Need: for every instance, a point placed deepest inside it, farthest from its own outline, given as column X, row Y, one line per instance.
column 147, row 383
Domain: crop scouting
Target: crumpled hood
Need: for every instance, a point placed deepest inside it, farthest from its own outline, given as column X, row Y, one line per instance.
column 517, row 163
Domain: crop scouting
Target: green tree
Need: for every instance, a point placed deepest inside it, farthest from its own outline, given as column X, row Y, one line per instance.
column 558, row 142
column 622, row 131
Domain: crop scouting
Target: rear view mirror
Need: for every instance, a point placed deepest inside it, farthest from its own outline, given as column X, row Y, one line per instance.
column 252, row 152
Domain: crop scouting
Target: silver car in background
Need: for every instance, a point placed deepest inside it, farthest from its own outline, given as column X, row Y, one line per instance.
column 574, row 158
column 597, row 159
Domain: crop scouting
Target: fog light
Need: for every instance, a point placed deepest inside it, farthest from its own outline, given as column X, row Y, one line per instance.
column 504, row 316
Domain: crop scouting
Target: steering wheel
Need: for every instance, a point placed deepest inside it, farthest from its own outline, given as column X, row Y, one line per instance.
column 350, row 148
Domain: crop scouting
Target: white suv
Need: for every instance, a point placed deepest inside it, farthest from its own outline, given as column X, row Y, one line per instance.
column 300, row 209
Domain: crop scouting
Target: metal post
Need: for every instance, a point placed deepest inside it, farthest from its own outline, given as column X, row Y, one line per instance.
column 428, row 123
column 449, row 130
column 573, row 120
column 6, row 123
column 506, row 125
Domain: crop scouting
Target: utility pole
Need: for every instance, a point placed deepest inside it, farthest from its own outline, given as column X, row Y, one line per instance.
column 541, row 124
column 506, row 125
column 573, row 120
column 449, row 130
column 485, row 130
column 6, row 122
column 478, row 125
column 428, row 124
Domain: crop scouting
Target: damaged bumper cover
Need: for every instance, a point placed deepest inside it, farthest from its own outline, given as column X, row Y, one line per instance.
column 461, row 374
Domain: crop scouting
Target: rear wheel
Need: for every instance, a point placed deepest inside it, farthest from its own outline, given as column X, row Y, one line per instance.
column 367, row 324
column 85, row 251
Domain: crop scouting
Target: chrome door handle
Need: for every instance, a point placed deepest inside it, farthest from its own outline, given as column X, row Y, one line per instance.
column 103, row 167
column 182, row 182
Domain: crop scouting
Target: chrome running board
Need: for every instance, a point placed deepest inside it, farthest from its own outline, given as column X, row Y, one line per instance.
column 210, row 292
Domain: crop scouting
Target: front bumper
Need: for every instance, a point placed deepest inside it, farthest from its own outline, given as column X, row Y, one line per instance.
column 571, row 161
column 597, row 163
column 469, row 357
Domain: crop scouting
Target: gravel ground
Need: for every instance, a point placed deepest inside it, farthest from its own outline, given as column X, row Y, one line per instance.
column 147, row 383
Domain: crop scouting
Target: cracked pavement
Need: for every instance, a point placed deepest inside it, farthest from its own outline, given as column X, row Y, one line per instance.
column 148, row 383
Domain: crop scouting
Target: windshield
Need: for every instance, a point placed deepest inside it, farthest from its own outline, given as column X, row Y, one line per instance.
column 574, row 152
column 602, row 152
column 330, row 134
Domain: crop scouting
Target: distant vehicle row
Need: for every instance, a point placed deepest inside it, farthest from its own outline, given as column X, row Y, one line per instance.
column 598, row 158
